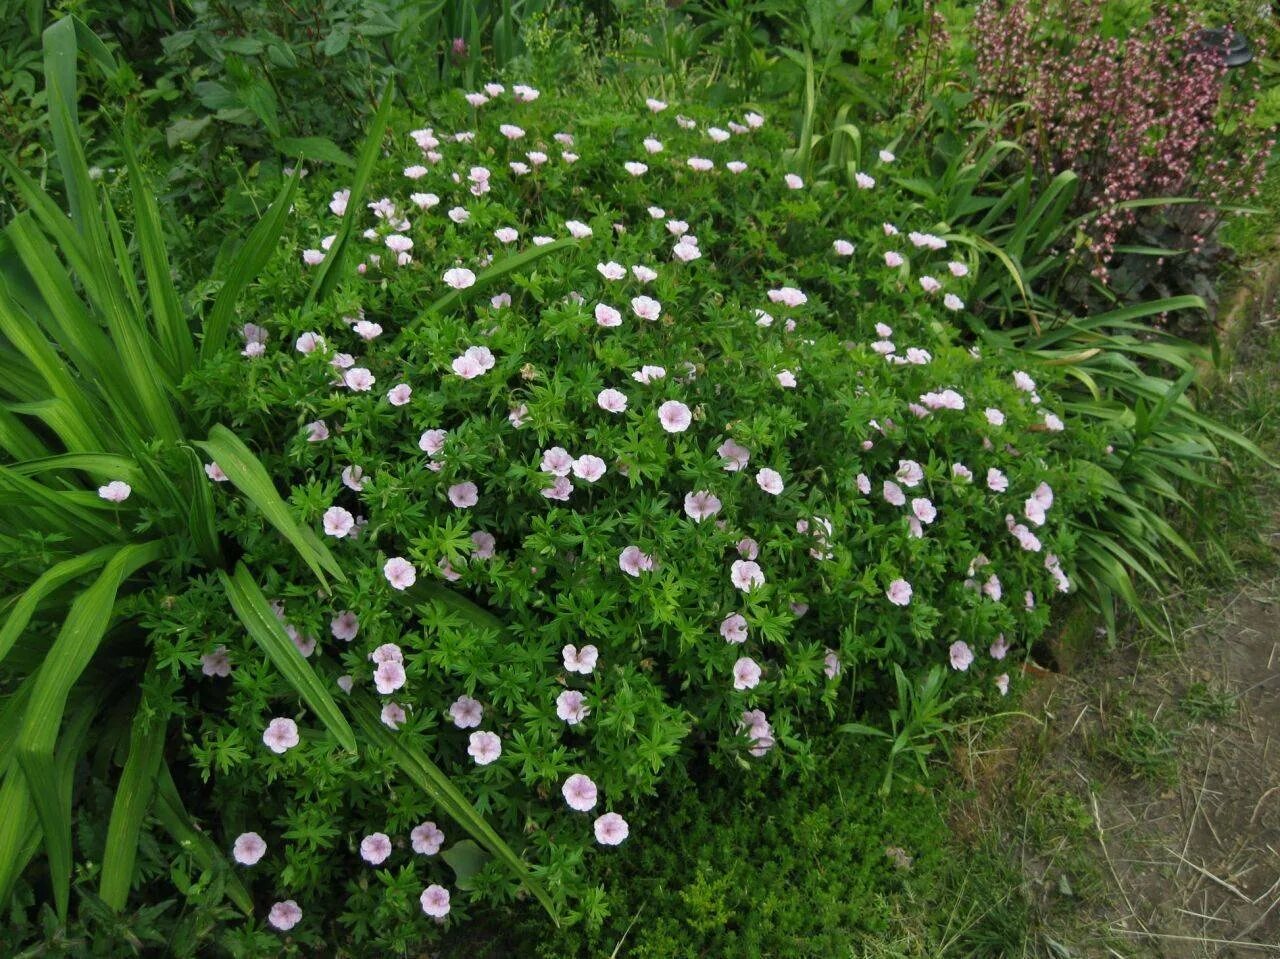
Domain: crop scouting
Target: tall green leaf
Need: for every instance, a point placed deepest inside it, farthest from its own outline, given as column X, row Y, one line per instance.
column 54, row 578
column 265, row 629
column 132, row 800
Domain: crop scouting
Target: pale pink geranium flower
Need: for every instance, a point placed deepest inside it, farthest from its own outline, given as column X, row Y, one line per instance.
column 338, row 521
column 556, row 461
column 644, row 274
column 736, row 166
column 482, row 544
column 893, row 259
column 579, row 792
column 506, row 234
column 611, row 270
column 339, row 202
column 399, row 572
column 281, row 735
column 646, row 307
column 756, row 726
column 484, row 747
column 611, row 829
column 700, row 164
column 746, row 673
column 994, row 416
column 717, row 135
column 635, row 168
column 864, row 484
column 589, row 468
column 612, row 401
column 607, row 316
column 657, row 106
column 459, row 278
column 214, row 472
column 997, row 482
column 633, row 561
column 924, row 509
column 734, row 628
column 700, row 505
column 117, row 491
column 475, row 361
column 387, row 653
column 831, row 664
column 426, row 839
column 432, row 441
column 571, row 707
column 1053, row 423
column 788, row 296
column 464, row 495
column 511, row 131
column 249, row 848
column 393, row 715
column 735, row 456
column 216, row 663
column 358, row 379
column 770, row 481
column 400, row 394
column 674, row 416
column 1000, row 648
column 517, row 415
column 842, row 248
column 310, row 258
column 317, row 431
column 466, row 712
column 285, row 915
column 375, row 848
column 1002, row 684
column 435, row 901
column 953, row 302
column 793, row 182
column 961, row 655
column 577, row 229
column 893, row 494
column 746, row 575
column 651, row 146
column 560, row 490
column 524, row 93
column 787, row 380
column 580, row 660
column 748, row 548
column 345, row 626
column 647, row 374
column 388, row 677
column 899, row 592
column 864, row 181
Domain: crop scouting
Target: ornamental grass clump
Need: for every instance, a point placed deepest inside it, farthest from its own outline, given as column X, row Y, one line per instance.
column 634, row 449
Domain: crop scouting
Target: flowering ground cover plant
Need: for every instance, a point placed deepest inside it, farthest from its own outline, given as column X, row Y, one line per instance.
column 633, row 447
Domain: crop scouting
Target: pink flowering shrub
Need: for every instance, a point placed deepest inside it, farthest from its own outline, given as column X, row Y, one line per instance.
column 637, row 466
column 1139, row 116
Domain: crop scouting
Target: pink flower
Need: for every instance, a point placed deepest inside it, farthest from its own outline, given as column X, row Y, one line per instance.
column 1002, row 684
column 787, row 380
column 358, row 379
column 459, row 278
column 644, row 274
column 736, row 166
column 589, row 468
column 734, row 628
column 392, row 715
column 571, row 707
column 484, row 747
column 388, row 677
column 399, row 394
column 517, row 416
column 579, row 792
column 893, row 259
column 635, row 168
column 953, row 302
column 249, row 848
column 657, row 106
column 700, row 505
column 216, row 663
column 831, row 664
column 674, row 416
column 701, row 164
column 793, row 182
column 864, row 181
column 482, row 544
column 611, row 270
column 285, row 915
column 893, row 494
column 432, row 441
column 281, row 735
column 399, row 572
column 997, row 482
column 339, row 202
column 748, row 548
column 633, row 562
column 647, row 374
column 1000, row 648
column 426, row 839
column 214, row 472
column 375, row 848
column 646, row 307
column 611, row 829
column 961, row 655
column 756, row 725
column 788, row 296
column 466, row 712
column 577, row 229
column 746, row 673
column 580, row 660
column 464, row 495
column 435, row 901
column 559, row 490
column 734, row 455
column 338, row 521
column 607, row 316
column 924, row 510
column 770, row 481
column 476, row 361
column 556, row 461
column 1024, row 382
column 899, row 592
column 117, row 491
column 962, row 472
column 612, row 401
column 746, row 575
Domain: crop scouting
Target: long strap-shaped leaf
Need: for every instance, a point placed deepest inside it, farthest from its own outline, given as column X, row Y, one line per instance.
column 248, row 475
column 428, row 777
column 132, row 800
column 261, row 243
column 51, row 580
column 510, row 264
column 330, row 269
column 173, row 817
column 252, row 608
column 77, row 641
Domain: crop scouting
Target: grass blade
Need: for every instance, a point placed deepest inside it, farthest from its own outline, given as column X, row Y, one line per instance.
column 248, row 475
column 496, row 272
column 49, row 582
column 132, row 799
column 252, row 608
